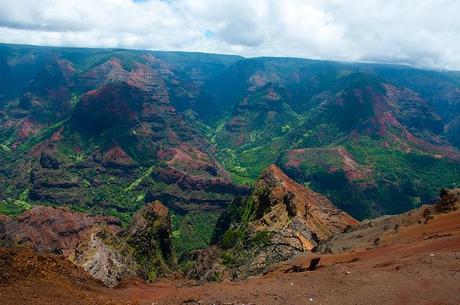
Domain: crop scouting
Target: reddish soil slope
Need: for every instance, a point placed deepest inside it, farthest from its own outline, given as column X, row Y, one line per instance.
column 30, row 278
column 419, row 265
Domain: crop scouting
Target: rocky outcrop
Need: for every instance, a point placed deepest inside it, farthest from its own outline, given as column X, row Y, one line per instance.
column 449, row 200
column 49, row 229
column 279, row 203
column 149, row 236
column 207, row 264
column 143, row 249
column 279, row 220
column 103, row 255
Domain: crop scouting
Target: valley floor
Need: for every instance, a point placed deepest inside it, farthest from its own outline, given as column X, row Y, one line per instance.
column 420, row 264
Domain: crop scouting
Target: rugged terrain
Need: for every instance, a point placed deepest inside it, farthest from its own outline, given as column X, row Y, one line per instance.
column 156, row 173
column 279, row 220
column 107, row 130
column 414, row 261
column 99, row 245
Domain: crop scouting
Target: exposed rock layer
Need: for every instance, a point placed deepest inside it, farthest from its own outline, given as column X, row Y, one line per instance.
column 49, row 229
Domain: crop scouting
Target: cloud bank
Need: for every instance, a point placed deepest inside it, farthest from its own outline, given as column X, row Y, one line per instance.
column 423, row 33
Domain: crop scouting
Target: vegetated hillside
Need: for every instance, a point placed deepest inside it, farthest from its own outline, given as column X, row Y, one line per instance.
column 370, row 144
column 108, row 130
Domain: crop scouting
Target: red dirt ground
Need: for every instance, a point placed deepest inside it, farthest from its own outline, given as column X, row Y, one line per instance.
column 30, row 278
column 420, row 265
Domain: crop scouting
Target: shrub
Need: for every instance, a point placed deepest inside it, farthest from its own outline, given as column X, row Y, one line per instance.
column 232, row 238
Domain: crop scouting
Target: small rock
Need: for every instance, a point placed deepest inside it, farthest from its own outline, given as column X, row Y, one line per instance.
column 431, row 254
column 348, row 272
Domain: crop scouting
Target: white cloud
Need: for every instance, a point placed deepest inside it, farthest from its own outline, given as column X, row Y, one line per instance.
column 419, row 32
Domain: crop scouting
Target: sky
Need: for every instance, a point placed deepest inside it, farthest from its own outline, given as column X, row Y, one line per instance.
column 423, row 33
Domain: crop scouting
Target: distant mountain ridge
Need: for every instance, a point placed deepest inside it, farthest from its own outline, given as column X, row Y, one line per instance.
column 108, row 130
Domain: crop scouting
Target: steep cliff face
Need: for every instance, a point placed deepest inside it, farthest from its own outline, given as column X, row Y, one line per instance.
column 149, row 235
column 280, row 202
column 279, row 220
column 143, row 249
column 105, row 257
column 449, row 200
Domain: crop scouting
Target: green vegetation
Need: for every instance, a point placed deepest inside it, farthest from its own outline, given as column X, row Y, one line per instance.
column 12, row 208
column 232, row 237
column 141, row 179
column 395, row 180
column 193, row 230
column 400, row 175
column 40, row 136
column 115, row 200
column 216, row 277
